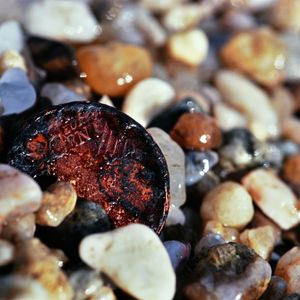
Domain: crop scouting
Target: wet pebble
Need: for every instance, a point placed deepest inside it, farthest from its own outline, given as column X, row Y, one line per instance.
column 6, row 252
column 139, row 252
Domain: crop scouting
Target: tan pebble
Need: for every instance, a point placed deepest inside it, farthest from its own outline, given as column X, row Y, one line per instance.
column 139, row 252
column 115, row 68
column 19, row 193
column 291, row 169
column 286, row 15
column 57, row 202
column 291, row 129
column 196, row 132
column 252, row 101
column 35, row 260
column 148, row 98
column 229, row 234
column 261, row 239
column 288, row 267
column 189, row 47
column 20, row 228
column 12, row 59
column 159, row 6
column 273, row 197
column 230, row 204
column 259, row 53
column 6, row 252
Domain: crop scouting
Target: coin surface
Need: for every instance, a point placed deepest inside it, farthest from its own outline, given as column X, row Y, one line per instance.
column 108, row 157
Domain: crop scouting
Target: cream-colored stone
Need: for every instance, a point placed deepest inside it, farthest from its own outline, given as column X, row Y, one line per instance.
column 147, row 98
column 6, row 252
column 106, row 100
column 230, row 204
column 189, row 47
column 135, row 260
column 12, row 59
column 159, row 6
column 250, row 100
column 273, row 197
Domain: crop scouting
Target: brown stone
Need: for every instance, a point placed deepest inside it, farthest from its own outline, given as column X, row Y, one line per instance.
column 115, row 68
column 196, row 132
column 291, row 169
column 259, row 54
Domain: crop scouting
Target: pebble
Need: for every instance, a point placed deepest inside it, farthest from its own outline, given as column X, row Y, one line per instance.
column 239, row 20
column 178, row 252
column 147, row 98
column 276, row 289
column 35, row 260
column 228, row 271
column 288, row 269
column 189, row 47
column 273, row 197
column 59, row 94
column 11, row 36
column 291, row 128
column 88, row 284
column 256, row 5
column 12, row 59
column 175, row 216
column 209, row 240
column 115, row 68
column 22, row 287
column 19, row 193
column 293, row 296
column 61, row 20
column 196, row 131
column 263, row 122
column 158, row 6
column 285, row 15
column 20, row 228
column 57, row 202
column 6, row 252
column 259, row 53
column 139, row 252
column 230, row 204
column 106, row 100
column 291, row 171
column 261, row 239
column 197, row 165
column 16, row 93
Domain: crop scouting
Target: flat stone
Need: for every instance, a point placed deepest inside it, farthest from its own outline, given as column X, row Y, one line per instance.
column 130, row 256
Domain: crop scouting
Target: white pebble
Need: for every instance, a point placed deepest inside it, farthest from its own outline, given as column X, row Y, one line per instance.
column 175, row 216
column 62, row 20
column 11, row 36
column 189, row 47
column 106, row 100
column 251, row 100
column 19, row 193
column 6, row 252
column 273, row 197
column 135, row 260
column 147, row 98
column 230, row 204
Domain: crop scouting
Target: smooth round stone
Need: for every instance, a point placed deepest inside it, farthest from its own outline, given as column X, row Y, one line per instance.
column 197, row 164
column 196, row 131
column 178, row 252
column 11, row 36
column 115, row 68
column 130, row 257
column 108, row 157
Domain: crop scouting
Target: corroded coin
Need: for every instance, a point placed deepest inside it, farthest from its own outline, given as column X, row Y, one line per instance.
column 108, row 157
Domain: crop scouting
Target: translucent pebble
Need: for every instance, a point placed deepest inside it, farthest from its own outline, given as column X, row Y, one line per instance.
column 209, row 240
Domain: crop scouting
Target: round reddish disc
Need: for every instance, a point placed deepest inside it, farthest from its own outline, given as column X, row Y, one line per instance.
column 106, row 155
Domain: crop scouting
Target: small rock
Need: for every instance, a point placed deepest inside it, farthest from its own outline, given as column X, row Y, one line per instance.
column 57, row 202
column 88, row 284
column 178, row 252
column 291, row 129
column 209, row 240
column 256, row 5
column 115, row 68
column 139, row 252
column 198, row 164
column 230, row 204
column 288, row 268
column 259, row 54
column 6, row 252
column 291, row 171
column 286, row 15
column 20, row 287
column 175, row 216
column 20, row 228
column 106, row 100
column 246, row 97
column 196, row 131
column 189, row 47
column 147, row 98
column 273, row 197
column 19, row 193
column 228, row 271
column 261, row 239
column 12, row 59
column 283, row 103
column 61, row 20
column 160, row 6
column 35, row 260
column 16, row 93
column 276, row 289
column 11, row 36
column 239, row 20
